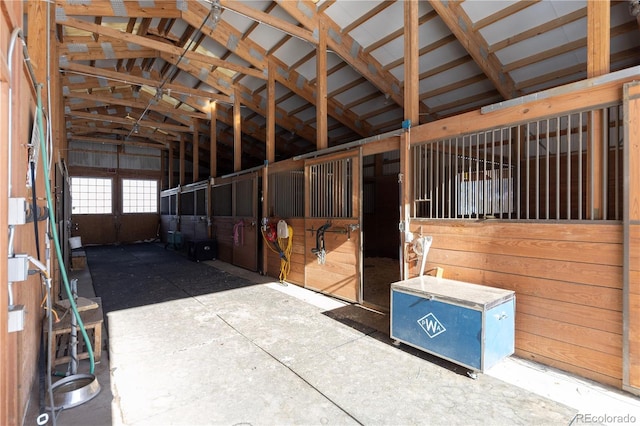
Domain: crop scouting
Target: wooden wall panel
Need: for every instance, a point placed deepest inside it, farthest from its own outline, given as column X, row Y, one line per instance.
column 223, row 231
column 632, row 236
column 167, row 223
column 634, row 339
column 193, row 228
column 339, row 275
column 575, row 360
column 245, row 249
column 94, row 228
column 567, row 279
column 296, row 274
column 138, row 227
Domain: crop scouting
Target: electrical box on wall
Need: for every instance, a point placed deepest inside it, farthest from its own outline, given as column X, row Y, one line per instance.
column 17, row 211
column 18, row 268
column 16, row 318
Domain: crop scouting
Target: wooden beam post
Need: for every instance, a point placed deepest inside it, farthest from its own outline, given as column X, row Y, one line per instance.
column 237, row 133
column 182, row 159
column 404, row 182
column 265, row 213
column 213, row 141
column 196, row 150
column 631, row 246
column 598, row 63
column 411, row 64
column 170, row 166
column 412, row 113
column 321, row 87
column 271, row 114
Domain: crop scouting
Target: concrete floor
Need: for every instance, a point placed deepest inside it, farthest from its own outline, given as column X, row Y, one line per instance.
column 207, row 343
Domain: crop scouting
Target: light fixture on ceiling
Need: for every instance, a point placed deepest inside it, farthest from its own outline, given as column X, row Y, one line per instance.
column 136, row 128
column 216, row 10
column 158, row 96
column 215, row 6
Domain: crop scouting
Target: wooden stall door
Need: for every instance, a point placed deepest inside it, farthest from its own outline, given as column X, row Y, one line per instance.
column 245, row 231
column 332, row 207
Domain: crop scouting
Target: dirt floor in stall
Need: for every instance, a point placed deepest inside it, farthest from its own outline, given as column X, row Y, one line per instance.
column 379, row 273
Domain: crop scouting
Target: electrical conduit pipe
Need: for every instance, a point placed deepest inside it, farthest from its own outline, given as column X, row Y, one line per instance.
column 54, row 233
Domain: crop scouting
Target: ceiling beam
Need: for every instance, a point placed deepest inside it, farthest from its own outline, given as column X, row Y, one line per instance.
column 461, row 26
column 101, row 99
column 92, row 50
column 131, row 78
column 155, row 9
column 253, row 53
column 346, row 47
column 270, row 20
column 109, row 141
column 158, row 45
column 145, row 123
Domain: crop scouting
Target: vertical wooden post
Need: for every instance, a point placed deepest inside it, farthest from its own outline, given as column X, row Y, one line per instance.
column 411, row 64
column 598, row 63
column 170, row 165
column 411, row 112
column 7, row 367
column 196, row 150
column 271, row 153
column 237, row 133
column 213, row 141
column 321, row 87
column 404, row 181
column 631, row 250
column 265, row 214
column 163, row 169
column 182, row 156
column 271, row 114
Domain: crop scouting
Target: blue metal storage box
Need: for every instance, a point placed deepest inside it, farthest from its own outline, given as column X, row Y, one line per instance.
column 468, row 324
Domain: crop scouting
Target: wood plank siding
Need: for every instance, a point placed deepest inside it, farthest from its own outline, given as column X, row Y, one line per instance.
column 567, row 279
column 632, row 238
column 339, row 274
column 297, row 260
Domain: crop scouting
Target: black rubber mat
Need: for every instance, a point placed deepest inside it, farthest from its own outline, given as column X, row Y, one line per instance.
column 128, row 276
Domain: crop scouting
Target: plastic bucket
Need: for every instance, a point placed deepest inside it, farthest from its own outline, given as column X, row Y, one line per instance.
column 75, row 242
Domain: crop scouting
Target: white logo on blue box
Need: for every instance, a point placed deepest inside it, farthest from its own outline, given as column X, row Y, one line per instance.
column 431, row 325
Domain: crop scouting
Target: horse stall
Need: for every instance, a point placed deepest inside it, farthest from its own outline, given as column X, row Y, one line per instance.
column 194, row 211
column 529, row 196
column 380, row 218
column 332, row 225
column 235, row 212
column 169, row 219
column 319, row 196
column 285, row 253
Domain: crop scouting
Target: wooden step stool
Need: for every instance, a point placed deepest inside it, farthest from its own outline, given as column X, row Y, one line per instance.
column 61, row 335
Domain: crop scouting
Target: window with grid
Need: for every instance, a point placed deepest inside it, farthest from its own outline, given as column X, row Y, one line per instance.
column 139, row 196
column 91, row 195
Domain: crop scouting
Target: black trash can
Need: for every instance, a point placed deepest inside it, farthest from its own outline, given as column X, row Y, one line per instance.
column 198, row 250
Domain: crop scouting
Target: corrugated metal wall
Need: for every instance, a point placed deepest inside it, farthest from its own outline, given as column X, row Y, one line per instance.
column 96, row 155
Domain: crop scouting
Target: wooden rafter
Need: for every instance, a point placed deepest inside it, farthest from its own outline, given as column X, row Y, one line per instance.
column 257, row 56
column 154, row 44
column 460, row 25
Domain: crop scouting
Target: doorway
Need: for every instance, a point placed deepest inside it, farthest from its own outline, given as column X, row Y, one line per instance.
column 380, row 218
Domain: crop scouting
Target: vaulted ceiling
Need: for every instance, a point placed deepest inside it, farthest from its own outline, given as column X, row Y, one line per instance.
column 146, row 72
